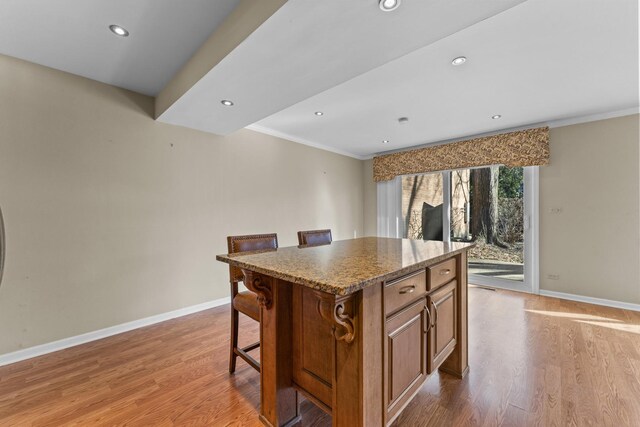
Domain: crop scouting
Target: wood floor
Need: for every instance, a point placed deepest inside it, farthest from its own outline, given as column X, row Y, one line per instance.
column 534, row 361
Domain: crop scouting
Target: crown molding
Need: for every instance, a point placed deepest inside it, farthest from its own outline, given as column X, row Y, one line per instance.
column 278, row 134
column 568, row 121
column 592, row 117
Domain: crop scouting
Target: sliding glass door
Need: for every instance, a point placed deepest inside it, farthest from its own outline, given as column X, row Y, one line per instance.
column 423, row 206
column 488, row 208
column 494, row 207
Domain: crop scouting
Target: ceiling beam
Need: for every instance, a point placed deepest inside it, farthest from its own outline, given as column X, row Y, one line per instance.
column 243, row 21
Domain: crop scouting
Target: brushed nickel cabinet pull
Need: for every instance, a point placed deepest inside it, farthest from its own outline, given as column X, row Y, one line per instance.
column 407, row 289
column 435, row 320
column 427, row 328
column 445, row 272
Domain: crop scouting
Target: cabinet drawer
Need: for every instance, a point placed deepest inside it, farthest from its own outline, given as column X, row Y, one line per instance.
column 441, row 273
column 400, row 292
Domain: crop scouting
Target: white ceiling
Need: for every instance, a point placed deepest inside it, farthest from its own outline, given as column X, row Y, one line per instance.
column 539, row 61
column 531, row 61
column 73, row 36
column 307, row 47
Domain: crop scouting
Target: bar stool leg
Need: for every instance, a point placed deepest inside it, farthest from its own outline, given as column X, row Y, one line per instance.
column 233, row 340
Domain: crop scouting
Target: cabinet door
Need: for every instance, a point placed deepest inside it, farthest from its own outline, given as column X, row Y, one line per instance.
column 406, row 354
column 442, row 335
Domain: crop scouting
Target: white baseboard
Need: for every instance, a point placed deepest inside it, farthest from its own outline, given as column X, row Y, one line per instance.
column 39, row 350
column 591, row 300
column 42, row 349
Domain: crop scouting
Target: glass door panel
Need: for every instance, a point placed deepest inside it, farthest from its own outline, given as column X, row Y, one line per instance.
column 423, row 206
column 487, row 207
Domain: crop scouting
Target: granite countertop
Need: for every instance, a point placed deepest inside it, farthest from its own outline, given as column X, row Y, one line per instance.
column 346, row 266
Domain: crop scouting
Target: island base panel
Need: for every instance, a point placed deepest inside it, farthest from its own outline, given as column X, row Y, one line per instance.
column 332, row 348
column 457, row 363
column 279, row 403
column 337, row 353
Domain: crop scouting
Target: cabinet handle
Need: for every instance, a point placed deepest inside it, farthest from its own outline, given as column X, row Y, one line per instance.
column 435, row 308
column 427, row 328
column 407, row 289
column 445, row 272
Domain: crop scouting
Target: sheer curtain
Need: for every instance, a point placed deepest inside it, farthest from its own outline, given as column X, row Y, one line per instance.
column 390, row 222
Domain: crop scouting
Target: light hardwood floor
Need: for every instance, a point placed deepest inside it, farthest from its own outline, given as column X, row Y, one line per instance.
column 534, row 361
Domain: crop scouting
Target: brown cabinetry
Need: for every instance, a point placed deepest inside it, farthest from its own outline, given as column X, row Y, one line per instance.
column 421, row 329
column 406, row 353
column 441, row 273
column 442, row 334
column 400, row 292
column 355, row 326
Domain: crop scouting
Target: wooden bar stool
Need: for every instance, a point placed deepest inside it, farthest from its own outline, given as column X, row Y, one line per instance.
column 314, row 237
column 245, row 302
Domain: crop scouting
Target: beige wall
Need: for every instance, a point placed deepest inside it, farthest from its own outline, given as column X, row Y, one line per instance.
column 593, row 242
column 112, row 217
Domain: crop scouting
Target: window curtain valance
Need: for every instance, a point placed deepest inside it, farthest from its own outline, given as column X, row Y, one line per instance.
column 522, row 148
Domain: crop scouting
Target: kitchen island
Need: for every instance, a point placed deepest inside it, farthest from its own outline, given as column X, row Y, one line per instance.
column 356, row 326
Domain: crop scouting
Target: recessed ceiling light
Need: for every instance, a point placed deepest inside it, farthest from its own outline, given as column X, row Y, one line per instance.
column 495, row 117
column 226, row 103
column 318, row 113
column 118, row 30
column 403, row 120
column 389, row 5
column 386, row 141
column 459, row 60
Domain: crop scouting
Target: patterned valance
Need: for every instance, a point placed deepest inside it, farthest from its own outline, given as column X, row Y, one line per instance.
column 522, row 148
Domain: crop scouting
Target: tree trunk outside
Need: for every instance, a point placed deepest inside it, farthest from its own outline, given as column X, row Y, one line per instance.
column 417, row 183
column 484, row 206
